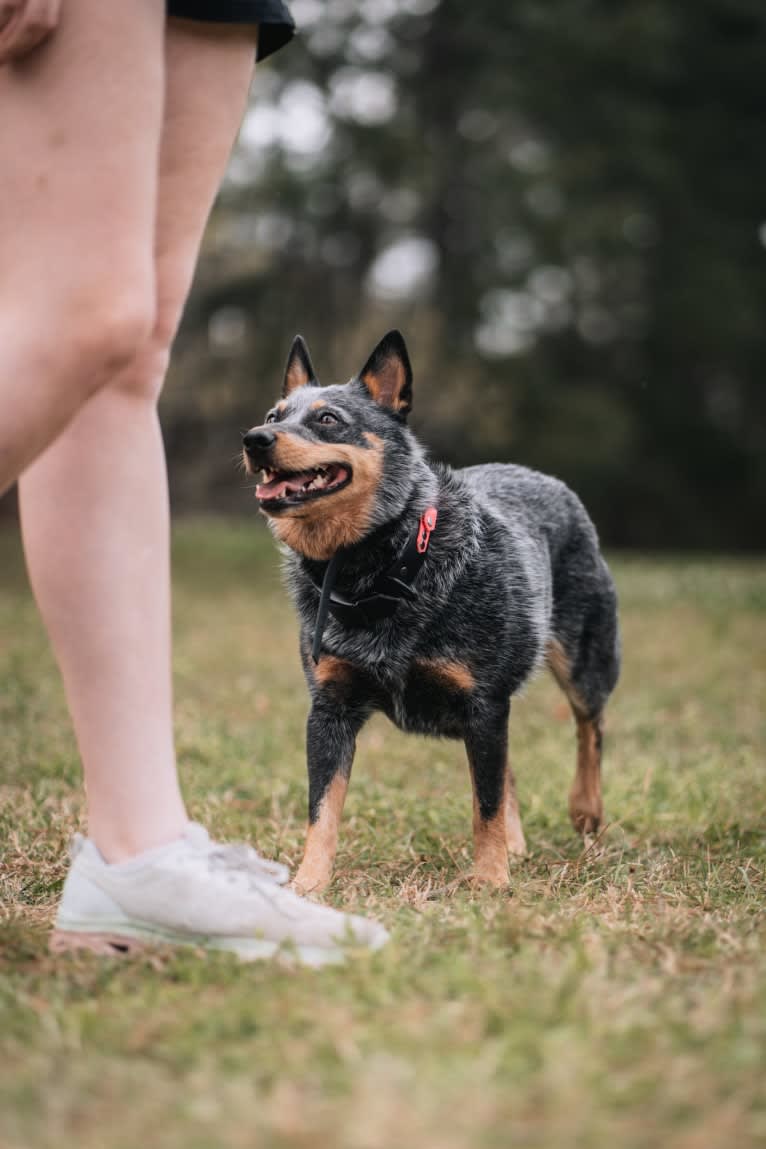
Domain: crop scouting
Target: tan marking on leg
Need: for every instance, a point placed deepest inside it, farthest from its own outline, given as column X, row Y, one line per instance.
column 322, row 840
column 282, row 405
column 497, row 837
column 319, row 528
column 585, row 805
column 514, row 833
column 558, row 664
column 452, row 674
column 490, row 845
column 332, row 669
column 557, row 661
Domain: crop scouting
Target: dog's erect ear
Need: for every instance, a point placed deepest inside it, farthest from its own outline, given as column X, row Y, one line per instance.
column 298, row 371
column 387, row 374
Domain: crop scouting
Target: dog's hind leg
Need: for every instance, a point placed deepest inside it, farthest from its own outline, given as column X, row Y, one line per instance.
column 586, row 808
column 584, row 657
column 331, row 742
column 496, row 823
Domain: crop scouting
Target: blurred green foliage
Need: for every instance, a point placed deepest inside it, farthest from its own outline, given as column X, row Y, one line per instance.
column 562, row 205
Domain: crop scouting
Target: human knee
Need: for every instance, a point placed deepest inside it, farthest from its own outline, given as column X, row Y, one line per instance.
column 78, row 341
column 143, row 378
column 104, row 332
column 145, row 374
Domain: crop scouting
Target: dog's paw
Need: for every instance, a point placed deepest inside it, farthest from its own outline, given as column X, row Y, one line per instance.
column 586, row 822
column 586, row 811
column 517, row 846
column 308, row 883
column 495, row 876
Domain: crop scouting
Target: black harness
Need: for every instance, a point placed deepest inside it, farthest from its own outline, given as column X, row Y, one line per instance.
column 388, row 590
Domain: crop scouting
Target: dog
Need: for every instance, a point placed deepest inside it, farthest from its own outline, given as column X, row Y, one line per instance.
column 429, row 593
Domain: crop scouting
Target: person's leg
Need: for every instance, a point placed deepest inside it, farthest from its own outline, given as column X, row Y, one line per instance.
column 80, row 121
column 94, row 506
column 99, row 562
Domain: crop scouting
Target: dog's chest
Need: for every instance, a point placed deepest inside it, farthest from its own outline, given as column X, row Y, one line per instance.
column 420, row 701
column 419, row 691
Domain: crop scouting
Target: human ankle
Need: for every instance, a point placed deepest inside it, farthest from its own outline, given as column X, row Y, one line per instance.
column 122, row 843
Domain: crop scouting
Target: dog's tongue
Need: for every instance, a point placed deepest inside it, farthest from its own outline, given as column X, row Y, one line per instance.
column 278, row 488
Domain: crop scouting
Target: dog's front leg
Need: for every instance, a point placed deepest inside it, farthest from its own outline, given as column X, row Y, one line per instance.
column 497, row 828
column 330, row 743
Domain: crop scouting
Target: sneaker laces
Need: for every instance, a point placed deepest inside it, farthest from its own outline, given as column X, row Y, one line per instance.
column 237, row 857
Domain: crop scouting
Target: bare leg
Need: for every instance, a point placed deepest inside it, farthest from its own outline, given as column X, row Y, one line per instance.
column 94, row 507
column 79, row 136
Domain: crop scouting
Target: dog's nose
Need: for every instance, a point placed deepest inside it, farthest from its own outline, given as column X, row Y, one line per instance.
column 258, row 440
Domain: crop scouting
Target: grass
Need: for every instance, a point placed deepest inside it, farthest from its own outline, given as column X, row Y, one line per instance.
column 617, row 996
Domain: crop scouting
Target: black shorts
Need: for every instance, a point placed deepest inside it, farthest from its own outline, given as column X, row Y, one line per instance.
column 275, row 24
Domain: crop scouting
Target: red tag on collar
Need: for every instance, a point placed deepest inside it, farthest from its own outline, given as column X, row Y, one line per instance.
column 427, row 524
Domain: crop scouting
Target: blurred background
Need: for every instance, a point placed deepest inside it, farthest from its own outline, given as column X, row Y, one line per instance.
column 563, row 207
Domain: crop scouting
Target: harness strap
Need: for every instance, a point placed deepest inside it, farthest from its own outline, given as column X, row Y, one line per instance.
column 388, row 590
column 328, row 582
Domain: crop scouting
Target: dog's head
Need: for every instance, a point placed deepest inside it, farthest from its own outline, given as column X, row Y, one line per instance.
column 336, row 460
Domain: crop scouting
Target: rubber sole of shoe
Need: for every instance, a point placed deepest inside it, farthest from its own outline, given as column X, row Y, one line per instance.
column 112, row 945
column 115, row 944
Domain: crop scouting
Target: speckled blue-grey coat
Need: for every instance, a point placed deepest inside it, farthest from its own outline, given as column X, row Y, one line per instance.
column 512, row 578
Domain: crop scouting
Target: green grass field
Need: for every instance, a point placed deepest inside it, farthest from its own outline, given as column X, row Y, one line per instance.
column 614, row 997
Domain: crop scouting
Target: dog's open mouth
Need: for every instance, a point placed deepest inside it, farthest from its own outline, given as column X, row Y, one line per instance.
column 287, row 488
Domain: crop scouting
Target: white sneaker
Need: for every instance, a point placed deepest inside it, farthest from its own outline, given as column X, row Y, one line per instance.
column 199, row 892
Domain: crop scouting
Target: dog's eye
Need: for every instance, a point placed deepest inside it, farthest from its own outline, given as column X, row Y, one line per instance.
column 328, row 417
column 271, row 417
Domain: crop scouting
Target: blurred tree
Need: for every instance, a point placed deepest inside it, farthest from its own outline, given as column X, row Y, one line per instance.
column 562, row 204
